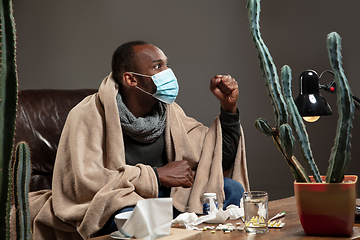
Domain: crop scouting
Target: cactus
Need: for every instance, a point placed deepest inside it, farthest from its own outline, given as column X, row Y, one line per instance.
column 298, row 124
column 267, row 65
column 340, row 153
column 21, row 181
column 282, row 133
column 283, row 141
column 263, row 126
column 8, row 105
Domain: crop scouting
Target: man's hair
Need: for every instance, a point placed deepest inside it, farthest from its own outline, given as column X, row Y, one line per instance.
column 124, row 60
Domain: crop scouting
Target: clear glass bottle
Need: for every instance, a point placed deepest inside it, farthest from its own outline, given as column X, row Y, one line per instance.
column 209, row 202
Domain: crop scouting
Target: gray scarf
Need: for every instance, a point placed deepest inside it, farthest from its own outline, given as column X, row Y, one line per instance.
column 142, row 129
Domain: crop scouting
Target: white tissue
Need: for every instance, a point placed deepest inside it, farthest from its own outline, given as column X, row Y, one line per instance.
column 219, row 216
column 190, row 220
column 235, row 212
column 150, row 219
column 184, row 219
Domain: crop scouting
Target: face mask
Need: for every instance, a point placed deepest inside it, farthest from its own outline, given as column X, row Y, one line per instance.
column 166, row 85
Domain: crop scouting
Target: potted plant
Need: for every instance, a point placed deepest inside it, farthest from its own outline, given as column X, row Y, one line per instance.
column 326, row 204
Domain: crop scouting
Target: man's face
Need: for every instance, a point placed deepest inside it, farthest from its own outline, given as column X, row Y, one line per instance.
column 150, row 60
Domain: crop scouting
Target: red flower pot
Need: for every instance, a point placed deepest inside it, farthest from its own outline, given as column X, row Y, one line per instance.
column 327, row 209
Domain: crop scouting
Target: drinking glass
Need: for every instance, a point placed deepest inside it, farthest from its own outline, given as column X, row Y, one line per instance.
column 256, row 212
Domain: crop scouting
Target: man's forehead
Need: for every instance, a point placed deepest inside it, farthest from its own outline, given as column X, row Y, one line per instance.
column 149, row 52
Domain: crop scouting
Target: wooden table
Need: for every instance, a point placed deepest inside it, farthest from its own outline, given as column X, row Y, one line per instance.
column 291, row 230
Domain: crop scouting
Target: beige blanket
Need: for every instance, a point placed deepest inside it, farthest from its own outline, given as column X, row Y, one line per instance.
column 91, row 179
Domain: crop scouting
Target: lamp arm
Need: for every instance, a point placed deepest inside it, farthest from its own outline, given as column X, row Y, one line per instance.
column 332, row 84
column 331, row 87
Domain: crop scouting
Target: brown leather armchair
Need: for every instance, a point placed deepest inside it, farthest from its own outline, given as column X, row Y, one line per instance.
column 40, row 119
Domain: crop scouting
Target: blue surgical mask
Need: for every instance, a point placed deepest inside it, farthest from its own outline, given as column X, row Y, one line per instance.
column 166, row 84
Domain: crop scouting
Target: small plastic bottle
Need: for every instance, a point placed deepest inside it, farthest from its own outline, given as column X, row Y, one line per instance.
column 209, row 202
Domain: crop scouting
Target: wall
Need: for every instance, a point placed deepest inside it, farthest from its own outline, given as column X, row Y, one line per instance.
column 68, row 44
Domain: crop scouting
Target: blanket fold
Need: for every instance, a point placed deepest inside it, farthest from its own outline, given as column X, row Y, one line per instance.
column 91, row 179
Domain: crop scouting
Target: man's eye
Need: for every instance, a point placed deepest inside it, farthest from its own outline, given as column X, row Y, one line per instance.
column 157, row 66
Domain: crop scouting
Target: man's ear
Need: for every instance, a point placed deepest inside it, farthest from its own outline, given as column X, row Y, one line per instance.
column 128, row 79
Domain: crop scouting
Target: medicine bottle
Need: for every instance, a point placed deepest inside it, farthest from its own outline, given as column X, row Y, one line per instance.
column 209, row 202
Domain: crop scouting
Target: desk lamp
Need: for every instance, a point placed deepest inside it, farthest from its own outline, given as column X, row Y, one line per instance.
column 310, row 103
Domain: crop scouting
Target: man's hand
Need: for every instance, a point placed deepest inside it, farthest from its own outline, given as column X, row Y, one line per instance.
column 225, row 88
column 176, row 174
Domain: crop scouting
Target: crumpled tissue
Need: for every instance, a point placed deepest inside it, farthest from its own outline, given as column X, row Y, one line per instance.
column 191, row 220
column 150, row 219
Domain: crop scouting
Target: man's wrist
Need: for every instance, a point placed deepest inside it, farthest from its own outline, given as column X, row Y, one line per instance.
column 229, row 119
column 230, row 109
column 157, row 176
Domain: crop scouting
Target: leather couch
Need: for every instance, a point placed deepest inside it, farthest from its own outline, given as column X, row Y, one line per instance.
column 40, row 119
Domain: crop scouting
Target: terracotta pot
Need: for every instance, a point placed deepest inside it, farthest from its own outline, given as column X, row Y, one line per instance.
column 327, row 209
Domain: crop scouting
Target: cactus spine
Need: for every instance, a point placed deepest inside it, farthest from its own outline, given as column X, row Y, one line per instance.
column 8, row 105
column 340, row 153
column 21, row 182
column 282, row 133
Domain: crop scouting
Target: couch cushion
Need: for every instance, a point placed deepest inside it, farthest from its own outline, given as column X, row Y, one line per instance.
column 40, row 119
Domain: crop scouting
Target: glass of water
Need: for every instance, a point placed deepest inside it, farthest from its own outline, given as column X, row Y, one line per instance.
column 256, row 212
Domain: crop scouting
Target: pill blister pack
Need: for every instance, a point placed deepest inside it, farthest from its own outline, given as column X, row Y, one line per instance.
column 272, row 223
column 275, row 224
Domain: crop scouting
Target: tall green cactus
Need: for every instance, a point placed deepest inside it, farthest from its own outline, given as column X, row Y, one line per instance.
column 340, row 154
column 282, row 139
column 8, row 104
column 267, row 65
column 282, row 134
column 298, row 124
column 21, row 182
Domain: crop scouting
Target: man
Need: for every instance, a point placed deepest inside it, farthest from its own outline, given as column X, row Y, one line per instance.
column 130, row 141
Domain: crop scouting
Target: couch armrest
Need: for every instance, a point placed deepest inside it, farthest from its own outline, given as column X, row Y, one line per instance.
column 40, row 119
